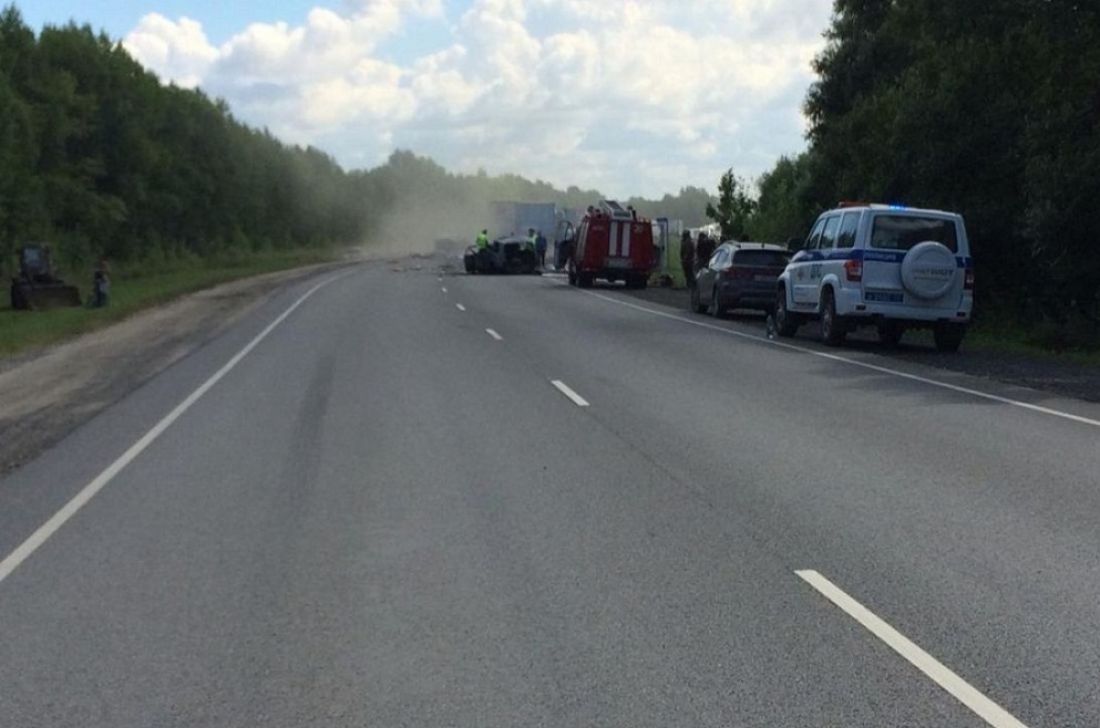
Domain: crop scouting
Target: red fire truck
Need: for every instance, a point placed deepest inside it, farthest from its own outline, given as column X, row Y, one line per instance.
column 614, row 244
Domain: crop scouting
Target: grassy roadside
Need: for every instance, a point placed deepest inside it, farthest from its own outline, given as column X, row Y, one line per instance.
column 1017, row 341
column 22, row 330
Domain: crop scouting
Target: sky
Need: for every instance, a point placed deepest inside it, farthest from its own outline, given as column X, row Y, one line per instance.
column 626, row 96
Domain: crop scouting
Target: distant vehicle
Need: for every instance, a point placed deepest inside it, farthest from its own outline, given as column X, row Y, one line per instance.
column 37, row 286
column 612, row 243
column 512, row 255
column 739, row 275
column 887, row 266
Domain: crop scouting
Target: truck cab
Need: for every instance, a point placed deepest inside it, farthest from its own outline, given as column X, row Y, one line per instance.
column 612, row 243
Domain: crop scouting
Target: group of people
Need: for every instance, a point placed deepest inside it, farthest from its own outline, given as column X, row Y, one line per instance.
column 694, row 254
column 536, row 243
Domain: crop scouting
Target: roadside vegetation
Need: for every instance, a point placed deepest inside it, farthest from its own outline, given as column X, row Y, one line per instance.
column 988, row 109
column 141, row 289
column 99, row 159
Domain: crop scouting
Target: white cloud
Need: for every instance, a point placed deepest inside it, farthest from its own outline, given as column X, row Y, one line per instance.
column 177, row 50
column 619, row 94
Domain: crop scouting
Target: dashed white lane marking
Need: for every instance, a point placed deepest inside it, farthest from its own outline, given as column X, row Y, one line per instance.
column 460, row 307
column 444, row 289
column 940, row 674
column 865, row 365
column 494, row 334
column 22, row 552
column 564, row 389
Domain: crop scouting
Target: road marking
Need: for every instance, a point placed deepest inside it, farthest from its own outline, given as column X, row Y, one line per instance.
column 460, row 307
column 564, row 389
column 940, row 674
column 855, row 362
column 494, row 334
column 22, row 552
column 444, row 289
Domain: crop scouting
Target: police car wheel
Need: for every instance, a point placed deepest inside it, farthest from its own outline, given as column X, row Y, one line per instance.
column 948, row 337
column 832, row 327
column 889, row 334
column 786, row 323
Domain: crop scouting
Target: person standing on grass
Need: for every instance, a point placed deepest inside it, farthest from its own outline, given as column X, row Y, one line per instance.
column 101, row 284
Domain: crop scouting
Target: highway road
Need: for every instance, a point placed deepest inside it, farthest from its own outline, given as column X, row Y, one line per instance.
column 403, row 499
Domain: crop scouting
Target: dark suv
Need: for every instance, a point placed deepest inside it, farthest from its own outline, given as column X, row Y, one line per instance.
column 739, row 275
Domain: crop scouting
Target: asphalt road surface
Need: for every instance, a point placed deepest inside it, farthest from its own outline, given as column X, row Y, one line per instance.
column 513, row 503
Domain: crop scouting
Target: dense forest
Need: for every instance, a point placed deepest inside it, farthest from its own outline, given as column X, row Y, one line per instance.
column 98, row 157
column 991, row 109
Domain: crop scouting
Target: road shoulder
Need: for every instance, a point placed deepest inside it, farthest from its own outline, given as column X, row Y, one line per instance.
column 49, row 392
column 1051, row 374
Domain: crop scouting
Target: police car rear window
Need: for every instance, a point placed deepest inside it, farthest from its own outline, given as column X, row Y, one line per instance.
column 774, row 258
column 902, row 232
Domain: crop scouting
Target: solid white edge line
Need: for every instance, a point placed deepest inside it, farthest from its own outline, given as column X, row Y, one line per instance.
column 460, row 307
column 22, row 552
column 939, row 673
column 873, row 367
column 494, row 334
column 564, row 389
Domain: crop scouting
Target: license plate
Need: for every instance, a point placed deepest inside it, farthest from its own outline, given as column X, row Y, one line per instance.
column 618, row 262
column 763, row 279
column 883, row 297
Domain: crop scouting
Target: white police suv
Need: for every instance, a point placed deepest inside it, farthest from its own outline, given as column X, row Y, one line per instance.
column 886, row 266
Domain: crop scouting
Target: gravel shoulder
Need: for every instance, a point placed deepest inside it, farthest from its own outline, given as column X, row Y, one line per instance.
column 1046, row 373
column 49, row 392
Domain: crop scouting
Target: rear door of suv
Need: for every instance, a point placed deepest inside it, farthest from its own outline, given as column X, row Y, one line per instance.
column 756, row 270
column 891, row 235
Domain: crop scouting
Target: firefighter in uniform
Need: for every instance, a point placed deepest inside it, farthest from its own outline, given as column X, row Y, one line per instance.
column 483, row 250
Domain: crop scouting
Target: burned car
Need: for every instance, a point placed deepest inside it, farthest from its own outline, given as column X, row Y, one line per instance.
column 513, row 254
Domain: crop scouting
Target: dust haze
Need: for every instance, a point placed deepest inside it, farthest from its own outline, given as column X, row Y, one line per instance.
column 415, row 223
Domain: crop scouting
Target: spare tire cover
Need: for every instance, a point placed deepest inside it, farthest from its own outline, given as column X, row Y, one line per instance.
column 928, row 270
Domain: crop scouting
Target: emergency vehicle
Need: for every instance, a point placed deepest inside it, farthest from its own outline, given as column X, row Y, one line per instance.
column 888, row 266
column 612, row 243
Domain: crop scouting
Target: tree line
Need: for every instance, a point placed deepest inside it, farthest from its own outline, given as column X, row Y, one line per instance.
column 990, row 109
column 99, row 158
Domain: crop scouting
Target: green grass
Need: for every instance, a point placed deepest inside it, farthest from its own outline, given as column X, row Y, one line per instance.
column 1018, row 341
column 22, row 330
